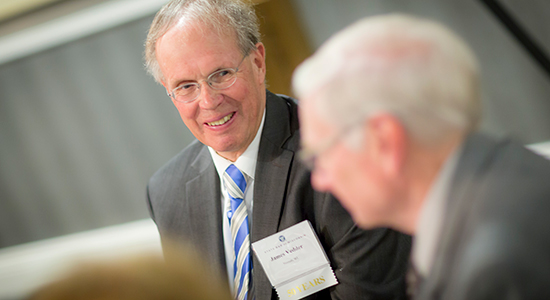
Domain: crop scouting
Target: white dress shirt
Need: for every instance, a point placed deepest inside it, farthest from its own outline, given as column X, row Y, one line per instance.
column 430, row 219
column 247, row 164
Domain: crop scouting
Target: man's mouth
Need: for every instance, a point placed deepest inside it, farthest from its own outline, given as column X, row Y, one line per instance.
column 221, row 121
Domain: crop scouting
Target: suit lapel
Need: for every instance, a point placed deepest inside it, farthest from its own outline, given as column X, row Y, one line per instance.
column 204, row 204
column 272, row 171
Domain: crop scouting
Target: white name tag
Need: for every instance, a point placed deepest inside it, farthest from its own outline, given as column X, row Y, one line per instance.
column 295, row 262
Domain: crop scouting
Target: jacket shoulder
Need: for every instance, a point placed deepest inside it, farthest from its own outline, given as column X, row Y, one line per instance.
column 177, row 168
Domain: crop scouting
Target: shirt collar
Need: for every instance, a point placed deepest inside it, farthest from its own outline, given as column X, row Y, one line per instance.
column 246, row 162
column 430, row 219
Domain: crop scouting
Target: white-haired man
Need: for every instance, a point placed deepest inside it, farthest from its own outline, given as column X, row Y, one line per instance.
column 208, row 56
column 388, row 111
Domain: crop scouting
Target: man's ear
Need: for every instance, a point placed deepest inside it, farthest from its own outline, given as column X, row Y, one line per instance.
column 258, row 56
column 389, row 143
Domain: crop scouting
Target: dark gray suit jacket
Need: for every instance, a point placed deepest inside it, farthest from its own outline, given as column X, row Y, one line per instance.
column 184, row 201
column 496, row 237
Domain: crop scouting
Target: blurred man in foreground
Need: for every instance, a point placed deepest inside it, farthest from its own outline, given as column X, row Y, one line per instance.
column 241, row 180
column 388, row 111
column 179, row 275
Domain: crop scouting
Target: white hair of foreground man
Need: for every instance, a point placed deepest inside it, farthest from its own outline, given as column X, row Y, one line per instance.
column 221, row 15
column 414, row 69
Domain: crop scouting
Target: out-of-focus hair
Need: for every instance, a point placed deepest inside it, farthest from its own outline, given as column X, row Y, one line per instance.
column 182, row 274
column 225, row 16
column 415, row 69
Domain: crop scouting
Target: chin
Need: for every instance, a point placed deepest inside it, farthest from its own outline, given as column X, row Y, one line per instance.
column 223, row 145
column 366, row 221
column 362, row 225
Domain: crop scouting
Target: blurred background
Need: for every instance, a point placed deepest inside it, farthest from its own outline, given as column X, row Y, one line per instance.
column 83, row 127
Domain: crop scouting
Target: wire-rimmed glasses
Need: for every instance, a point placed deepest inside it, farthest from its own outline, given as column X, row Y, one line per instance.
column 219, row 80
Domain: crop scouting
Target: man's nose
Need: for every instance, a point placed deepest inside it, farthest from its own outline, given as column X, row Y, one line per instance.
column 320, row 181
column 209, row 98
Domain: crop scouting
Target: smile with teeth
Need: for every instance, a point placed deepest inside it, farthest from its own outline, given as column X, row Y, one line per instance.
column 221, row 121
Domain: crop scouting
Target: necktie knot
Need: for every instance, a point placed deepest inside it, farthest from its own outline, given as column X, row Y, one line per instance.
column 235, row 182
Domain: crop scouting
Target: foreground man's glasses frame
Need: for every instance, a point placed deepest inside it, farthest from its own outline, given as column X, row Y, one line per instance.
column 309, row 156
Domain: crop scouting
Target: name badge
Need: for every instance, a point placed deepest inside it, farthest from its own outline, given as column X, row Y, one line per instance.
column 295, row 262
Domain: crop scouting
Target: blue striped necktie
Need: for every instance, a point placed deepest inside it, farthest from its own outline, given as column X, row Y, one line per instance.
column 235, row 183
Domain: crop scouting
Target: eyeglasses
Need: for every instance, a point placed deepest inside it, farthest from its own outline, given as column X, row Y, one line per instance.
column 309, row 156
column 219, row 80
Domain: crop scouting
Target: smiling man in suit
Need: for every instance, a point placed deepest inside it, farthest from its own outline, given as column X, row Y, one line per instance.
column 241, row 180
column 399, row 148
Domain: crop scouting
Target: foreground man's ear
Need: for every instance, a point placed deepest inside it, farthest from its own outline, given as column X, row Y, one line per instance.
column 387, row 141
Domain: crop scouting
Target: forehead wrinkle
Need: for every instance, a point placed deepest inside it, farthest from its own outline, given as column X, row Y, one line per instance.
column 191, row 33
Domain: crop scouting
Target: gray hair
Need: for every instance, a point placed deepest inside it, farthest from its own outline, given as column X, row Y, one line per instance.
column 415, row 69
column 222, row 15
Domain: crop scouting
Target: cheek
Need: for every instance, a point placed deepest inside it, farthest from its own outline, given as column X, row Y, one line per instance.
column 347, row 171
column 340, row 178
column 188, row 113
column 352, row 178
column 239, row 97
column 250, row 96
